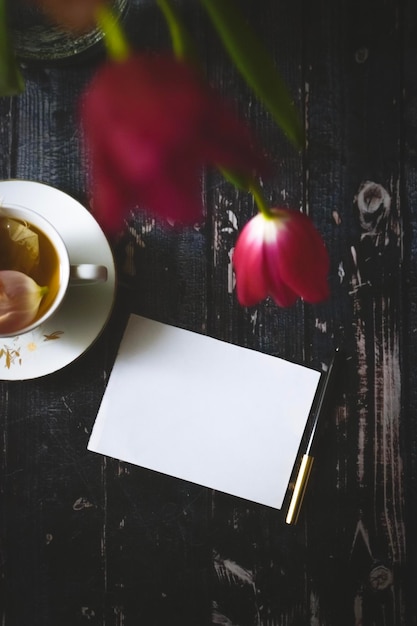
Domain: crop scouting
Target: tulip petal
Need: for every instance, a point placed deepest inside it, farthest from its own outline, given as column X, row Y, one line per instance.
column 283, row 256
column 172, row 194
column 278, row 289
column 151, row 124
column 229, row 144
column 248, row 261
column 20, row 298
column 305, row 261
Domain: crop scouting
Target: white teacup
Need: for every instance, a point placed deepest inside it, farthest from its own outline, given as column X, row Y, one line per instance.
column 53, row 268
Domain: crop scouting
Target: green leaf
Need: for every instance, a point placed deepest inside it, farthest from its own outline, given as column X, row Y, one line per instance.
column 256, row 66
column 11, row 80
column 181, row 41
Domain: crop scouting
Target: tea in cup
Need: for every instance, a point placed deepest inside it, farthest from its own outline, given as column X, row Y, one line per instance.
column 35, row 270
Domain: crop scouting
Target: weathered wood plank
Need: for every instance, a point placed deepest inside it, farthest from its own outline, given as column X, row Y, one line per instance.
column 408, row 347
column 46, row 123
column 363, row 538
column 6, row 137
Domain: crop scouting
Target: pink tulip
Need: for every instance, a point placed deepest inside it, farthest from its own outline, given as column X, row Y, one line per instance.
column 20, row 298
column 282, row 256
column 151, row 123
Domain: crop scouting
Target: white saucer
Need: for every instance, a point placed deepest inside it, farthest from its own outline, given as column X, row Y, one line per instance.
column 86, row 309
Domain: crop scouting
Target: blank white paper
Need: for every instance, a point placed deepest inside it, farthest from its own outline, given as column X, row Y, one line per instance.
column 205, row 411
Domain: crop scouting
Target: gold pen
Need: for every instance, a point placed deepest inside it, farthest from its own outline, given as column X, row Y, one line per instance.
column 307, row 458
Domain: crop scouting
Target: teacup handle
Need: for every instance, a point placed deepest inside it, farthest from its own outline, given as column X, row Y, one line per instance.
column 87, row 273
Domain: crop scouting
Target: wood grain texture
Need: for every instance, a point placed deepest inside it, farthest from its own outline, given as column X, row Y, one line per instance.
column 348, row 99
column 408, row 346
column 90, row 540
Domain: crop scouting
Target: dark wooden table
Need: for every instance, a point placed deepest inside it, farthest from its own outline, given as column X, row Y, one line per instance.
column 90, row 540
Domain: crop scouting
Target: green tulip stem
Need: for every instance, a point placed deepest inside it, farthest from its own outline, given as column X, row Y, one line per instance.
column 114, row 38
column 261, row 203
column 182, row 44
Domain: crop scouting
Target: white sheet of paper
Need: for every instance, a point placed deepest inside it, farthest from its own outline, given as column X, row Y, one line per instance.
column 205, row 411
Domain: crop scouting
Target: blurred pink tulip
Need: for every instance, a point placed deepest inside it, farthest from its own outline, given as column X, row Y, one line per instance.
column 282, row 256
column 151, row 123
